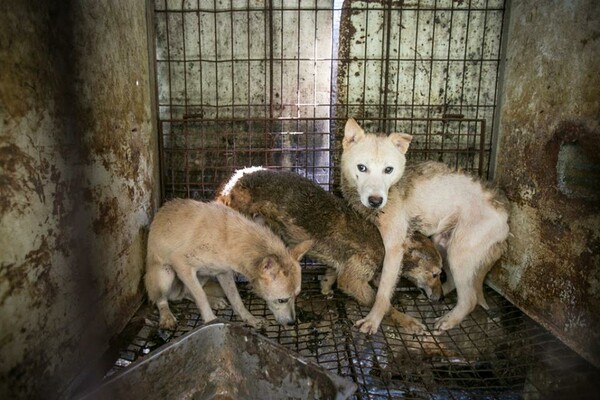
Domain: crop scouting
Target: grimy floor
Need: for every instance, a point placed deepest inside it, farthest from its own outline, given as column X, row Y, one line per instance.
column 494, row 354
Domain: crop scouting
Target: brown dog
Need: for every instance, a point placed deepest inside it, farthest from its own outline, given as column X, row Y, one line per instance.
column 298, row 209
column 190, row 241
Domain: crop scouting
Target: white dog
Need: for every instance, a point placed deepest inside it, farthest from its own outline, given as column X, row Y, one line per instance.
column 466, row 220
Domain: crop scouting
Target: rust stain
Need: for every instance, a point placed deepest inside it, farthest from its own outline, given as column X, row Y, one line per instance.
column 558, row 275
column 32, row 275
column 108, row 216
column 538, row 169
column 19, row 176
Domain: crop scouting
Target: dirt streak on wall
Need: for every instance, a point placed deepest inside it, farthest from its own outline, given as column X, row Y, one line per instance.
column 549, row 165
column 77, row 185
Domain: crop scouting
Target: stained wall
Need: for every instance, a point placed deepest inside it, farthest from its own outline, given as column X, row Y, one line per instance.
column 549, row 165
column 78, row 185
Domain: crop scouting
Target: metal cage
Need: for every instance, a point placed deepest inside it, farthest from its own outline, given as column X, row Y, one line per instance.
column 270, row 83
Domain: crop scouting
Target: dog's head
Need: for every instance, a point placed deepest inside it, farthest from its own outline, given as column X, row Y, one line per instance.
column 278, row 282
column 422, row 265
column 373, row 163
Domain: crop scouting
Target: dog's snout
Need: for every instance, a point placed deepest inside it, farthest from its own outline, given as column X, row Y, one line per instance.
column 375, row 201
column 441, row 298
column 291, row 323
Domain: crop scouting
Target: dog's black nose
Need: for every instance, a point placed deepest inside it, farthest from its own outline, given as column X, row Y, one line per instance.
column 441, row 298
column 291, row 323
column 375, row 201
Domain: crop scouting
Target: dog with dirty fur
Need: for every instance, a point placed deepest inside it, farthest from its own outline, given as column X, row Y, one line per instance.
column 191, row 241
column 298, row 209
column 467, row 220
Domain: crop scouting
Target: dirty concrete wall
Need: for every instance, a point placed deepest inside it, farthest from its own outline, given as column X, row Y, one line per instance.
column 78, row 185
column 549, row 165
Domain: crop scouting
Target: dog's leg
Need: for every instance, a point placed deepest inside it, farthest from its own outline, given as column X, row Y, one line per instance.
column 327, row 281
column 160, row 282
column 191, row 281
column 228, row 284
column 464, row 269
column 393, row 230
column 215, row 295
column 470, row 257
column 356, row 287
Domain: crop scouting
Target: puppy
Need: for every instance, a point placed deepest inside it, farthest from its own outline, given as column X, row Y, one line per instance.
column 298, row 209
column 191, row 241
column 467, row 220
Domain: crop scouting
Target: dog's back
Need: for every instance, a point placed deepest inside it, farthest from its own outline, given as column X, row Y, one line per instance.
column 211, row 231
column 298, row 209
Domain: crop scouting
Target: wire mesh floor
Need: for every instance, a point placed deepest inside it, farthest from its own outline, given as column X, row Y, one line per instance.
column 494, row 354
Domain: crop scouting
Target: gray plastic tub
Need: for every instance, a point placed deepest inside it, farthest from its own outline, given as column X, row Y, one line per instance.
column 222, row 360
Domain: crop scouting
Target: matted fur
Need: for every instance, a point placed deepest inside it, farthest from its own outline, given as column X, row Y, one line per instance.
column 298, row 209
column 467, row 220
column 190, row 241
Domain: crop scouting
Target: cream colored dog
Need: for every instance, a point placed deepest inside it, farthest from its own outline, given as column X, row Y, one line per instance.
column 190, row 241
column 466, row 220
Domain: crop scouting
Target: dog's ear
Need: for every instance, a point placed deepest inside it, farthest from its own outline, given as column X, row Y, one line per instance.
column 269, row 268
column 298, row 251
column 353, row 133
column 401, row 141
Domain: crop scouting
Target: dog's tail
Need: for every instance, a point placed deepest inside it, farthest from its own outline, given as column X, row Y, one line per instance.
column 236, row 177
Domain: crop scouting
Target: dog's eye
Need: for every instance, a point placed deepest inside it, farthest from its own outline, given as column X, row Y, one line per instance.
column 362, row 167
column 388, row 170
column 436, row 274
column 283, row 301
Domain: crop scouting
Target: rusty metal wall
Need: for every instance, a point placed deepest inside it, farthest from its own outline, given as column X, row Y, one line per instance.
column 78, row 184
column 549, row 166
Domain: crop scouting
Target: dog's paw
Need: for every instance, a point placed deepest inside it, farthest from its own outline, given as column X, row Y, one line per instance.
column 415, row 327
column 446, row 322
column 167, row 321
column 327, row 291
column 218, row 303
column 367, row 325
column 406, row 322
column 258, row 323
column 326, row 286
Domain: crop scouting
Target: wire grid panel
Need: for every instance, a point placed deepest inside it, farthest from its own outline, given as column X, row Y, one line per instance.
column 420, row 59
column 242, row 58
column 396, row 63
column 494, row 354
column 199, row 155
